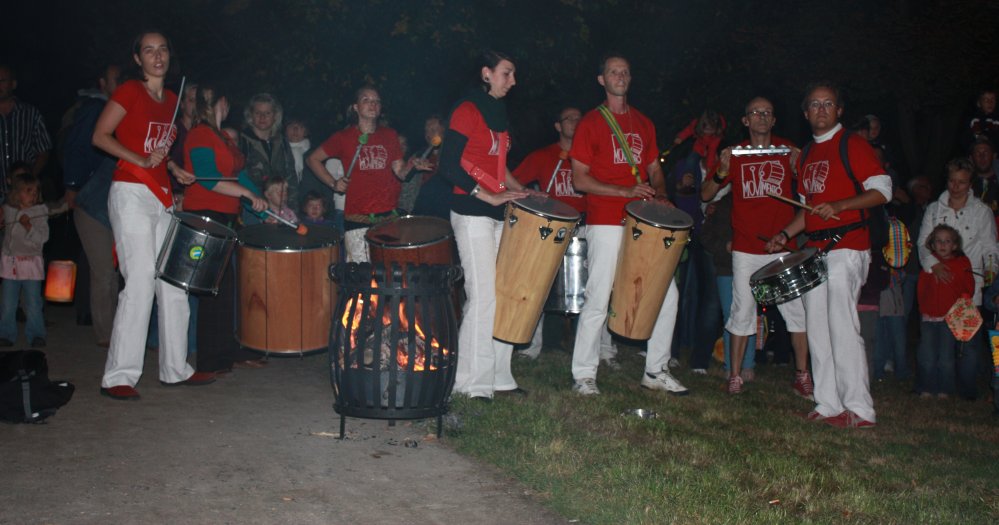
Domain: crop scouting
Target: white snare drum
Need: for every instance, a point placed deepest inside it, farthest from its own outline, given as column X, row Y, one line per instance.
column 789, row 277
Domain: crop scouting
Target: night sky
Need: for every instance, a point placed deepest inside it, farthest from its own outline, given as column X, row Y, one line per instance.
column 917, row 64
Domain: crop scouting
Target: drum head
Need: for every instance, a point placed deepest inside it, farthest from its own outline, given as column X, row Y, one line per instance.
column 409, row 231
column 548, row 208
column 790, row 260
column 660, row 215
column 278, row 237
column 205, row 225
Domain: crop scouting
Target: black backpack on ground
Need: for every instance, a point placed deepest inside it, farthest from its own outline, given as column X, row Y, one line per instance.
column 26, row 393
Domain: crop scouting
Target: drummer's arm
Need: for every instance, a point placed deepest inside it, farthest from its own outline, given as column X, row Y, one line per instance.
column 399, row 169
column 585, row 182
column 711, row 185
column 657, row 179
column 316, row 162
column 513, row 184
column 793, row 228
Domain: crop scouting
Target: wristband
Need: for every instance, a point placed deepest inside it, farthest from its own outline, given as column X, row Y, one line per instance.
column 718, row 180
column 785, row 234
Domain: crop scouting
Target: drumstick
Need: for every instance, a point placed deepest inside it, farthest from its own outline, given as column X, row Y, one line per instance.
column 793, row 202
column 561, row 158
column 361, row 141
column 173, row 121
column 299, row 228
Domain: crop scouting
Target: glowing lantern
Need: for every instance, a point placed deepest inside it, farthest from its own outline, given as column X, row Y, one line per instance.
column 60, row 283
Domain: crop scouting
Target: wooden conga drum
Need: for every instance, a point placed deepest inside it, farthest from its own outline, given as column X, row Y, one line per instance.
column 412, row 239
column 653, row 240
column 536, row 233
column 285, row 294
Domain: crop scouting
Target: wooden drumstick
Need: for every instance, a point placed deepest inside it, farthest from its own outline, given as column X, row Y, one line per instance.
column 793, row 202
column 786, row 247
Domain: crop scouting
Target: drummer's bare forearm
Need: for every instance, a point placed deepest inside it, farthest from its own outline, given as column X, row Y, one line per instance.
column 796, row 226
column 399, row 169
column 512, row 183
column 709, row 188
column 316, row 164
column 584, row 182
column 656, row 178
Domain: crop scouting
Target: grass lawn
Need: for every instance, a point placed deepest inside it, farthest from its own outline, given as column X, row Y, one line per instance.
column 714, row 458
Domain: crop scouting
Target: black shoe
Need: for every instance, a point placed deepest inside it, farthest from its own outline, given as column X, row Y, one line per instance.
column 38, row 342
column 510, row 393
column 6, row 342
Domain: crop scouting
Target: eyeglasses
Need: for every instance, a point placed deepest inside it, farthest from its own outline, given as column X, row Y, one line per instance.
column 760, row 114
column 816, row 104
column 570, row 119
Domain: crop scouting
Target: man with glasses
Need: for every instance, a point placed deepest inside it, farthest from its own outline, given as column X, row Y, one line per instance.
column 757, row 217
column 837, row 194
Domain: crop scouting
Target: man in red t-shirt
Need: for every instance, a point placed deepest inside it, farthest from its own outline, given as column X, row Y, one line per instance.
column 839, row 362
column 756, row 216
column 551, row 169
column 612, row 177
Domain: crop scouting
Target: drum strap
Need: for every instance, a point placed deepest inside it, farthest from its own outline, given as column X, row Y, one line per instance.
column 829, row 233
column 619, row 135
column 165, row 196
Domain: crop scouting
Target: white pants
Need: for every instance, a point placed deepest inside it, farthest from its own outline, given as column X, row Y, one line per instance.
column 483, row 362
column 839, row 363
column 139, row 223
column 603, row 243
column 742, row 319
column 356, row 245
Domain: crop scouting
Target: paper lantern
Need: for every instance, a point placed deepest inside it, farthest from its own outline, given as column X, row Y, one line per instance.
column 60, row 283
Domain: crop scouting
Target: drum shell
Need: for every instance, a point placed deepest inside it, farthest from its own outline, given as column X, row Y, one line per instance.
column 195, row 253
column 527, row 262
column 645, row 268
column 412, row 239
column 788, row 277
column 285, row 296
column 569, row 289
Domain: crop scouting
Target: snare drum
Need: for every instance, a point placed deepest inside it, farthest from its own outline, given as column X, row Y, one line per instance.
column 412, row 240
column 653, row 240
column 789, row 277
column 536, row 233
column 195, row 253
column 285, row 295
column 569, row 289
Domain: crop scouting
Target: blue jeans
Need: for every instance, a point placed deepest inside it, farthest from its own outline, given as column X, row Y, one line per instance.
column 11, row 292
column 935, row 357
column 891, row 344
column 725, row 295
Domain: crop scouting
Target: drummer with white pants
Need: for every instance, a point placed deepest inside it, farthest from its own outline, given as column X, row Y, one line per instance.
column 613, row 175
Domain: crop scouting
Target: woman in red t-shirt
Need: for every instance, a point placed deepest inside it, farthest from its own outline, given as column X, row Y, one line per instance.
column 211, row 154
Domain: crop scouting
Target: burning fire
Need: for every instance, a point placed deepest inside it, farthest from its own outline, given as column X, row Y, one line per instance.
column 369, row 308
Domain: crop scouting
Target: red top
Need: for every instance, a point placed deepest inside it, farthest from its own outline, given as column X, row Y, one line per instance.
column 373, row 188
column 228, row 162
column 540, row 166
column 596, row 146
column 823, row 179
column 935, row 298
column 145, row 126
column 754, row 214
column 485, row 150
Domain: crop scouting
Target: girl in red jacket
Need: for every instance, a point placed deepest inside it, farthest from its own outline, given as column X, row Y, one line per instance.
column 937, row 345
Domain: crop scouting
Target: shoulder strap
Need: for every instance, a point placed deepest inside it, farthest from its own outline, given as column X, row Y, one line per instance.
column 619, row 135
column 844, row 157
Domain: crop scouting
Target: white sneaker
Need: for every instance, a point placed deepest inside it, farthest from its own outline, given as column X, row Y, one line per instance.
column 610, row 362
column 699, row 371
column 664, row 381
column 529, row 353
column 586, row 387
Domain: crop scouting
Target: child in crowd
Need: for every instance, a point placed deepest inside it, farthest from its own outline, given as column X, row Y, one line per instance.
column 26, row 228
column 707, row 130
column 937, row 345
column 276, row 193
column 314, row 210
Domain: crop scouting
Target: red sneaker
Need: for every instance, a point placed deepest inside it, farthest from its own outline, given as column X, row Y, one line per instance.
column 855, row 421
column 803, row 385
column 814, row 415
column 841, row 420
column 196, row 379
column 121, row 393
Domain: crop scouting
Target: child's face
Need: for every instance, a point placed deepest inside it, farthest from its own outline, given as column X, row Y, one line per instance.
column 944, row 245
column 27, row 196
column 314, row 209
column 295, row 132
column 276, row 195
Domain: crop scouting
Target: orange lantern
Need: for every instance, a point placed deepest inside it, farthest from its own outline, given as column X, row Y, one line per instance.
column 60, row 283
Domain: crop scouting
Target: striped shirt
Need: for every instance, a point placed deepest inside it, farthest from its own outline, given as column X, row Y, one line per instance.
column 22, row 137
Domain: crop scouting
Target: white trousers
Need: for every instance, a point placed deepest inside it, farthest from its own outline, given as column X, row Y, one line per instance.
column 483, row 362
column 742, row 319
column 139, row 223
column 356, row 245
column 839, row 363
column 603, row 243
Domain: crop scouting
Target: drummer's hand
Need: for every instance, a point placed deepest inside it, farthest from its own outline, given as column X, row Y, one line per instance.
column 827, row 209
column 183, row 176
column 776, row 243
column 155, row 158
column 340, row 186
column 942, row 273
column 503, row 197
column 639, row 191
column 423, row 164
column 258, row 204
column 795, row 153
column 536, row 193
column 725, row 159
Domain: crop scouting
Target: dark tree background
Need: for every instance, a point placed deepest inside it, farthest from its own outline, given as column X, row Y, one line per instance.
column 917, row 64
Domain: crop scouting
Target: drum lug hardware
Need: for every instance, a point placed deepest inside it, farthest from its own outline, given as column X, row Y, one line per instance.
column 560, row 236
column 545, row 232
column 635, row 233
column 512, row 220
column 668, row 241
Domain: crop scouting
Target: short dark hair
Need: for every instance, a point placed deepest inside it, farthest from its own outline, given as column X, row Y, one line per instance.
column 607, row 56
column 822, row 84
column 979, row 140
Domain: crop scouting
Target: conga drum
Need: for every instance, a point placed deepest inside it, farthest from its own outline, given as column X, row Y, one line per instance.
column 284, row 291
column 411, row 239
column 653, row 240
column 536, row 233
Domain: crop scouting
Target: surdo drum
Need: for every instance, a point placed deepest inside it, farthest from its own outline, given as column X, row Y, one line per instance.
column 536, row 233
column 789, row 277
column 411, row 240
column 285, row 295
column 653, row 240
column 195, row 253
